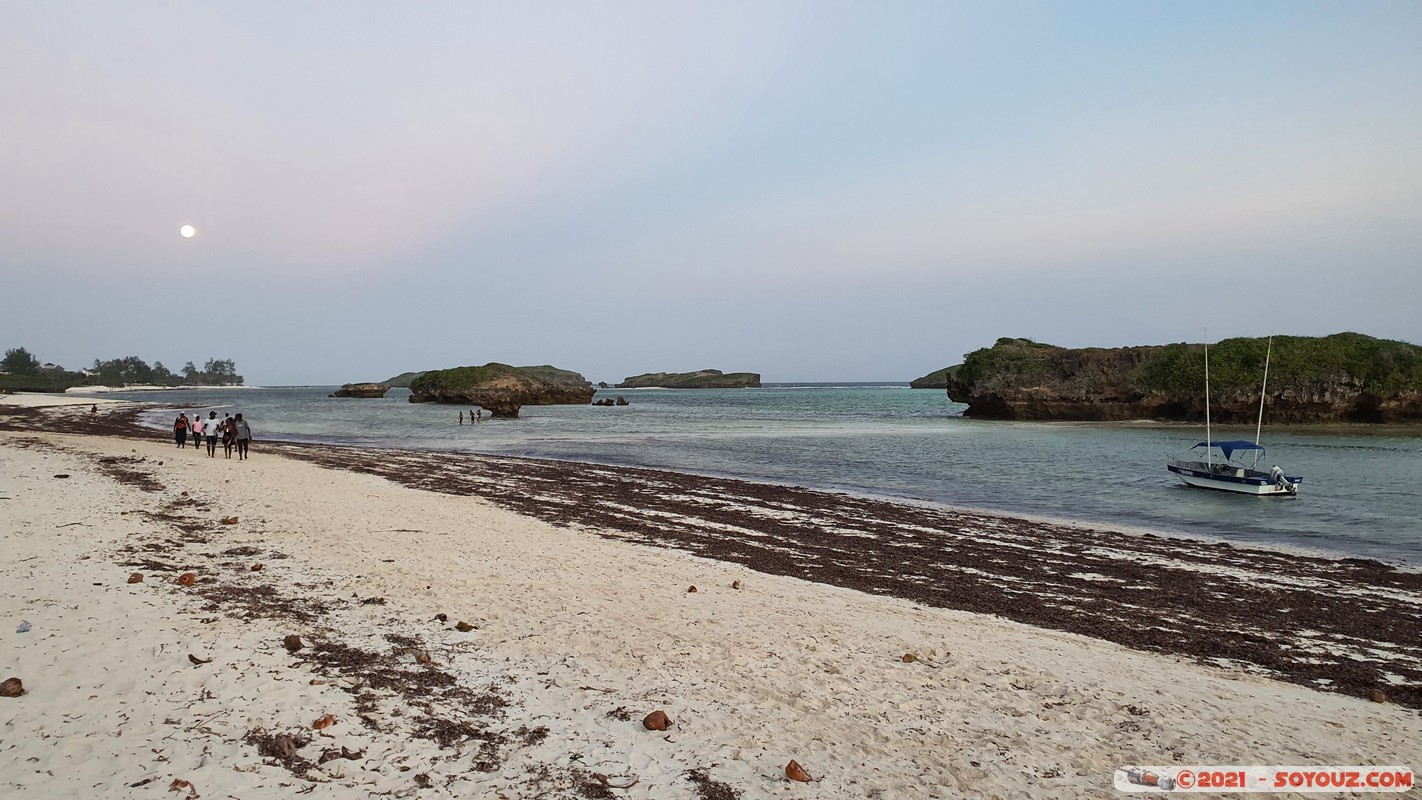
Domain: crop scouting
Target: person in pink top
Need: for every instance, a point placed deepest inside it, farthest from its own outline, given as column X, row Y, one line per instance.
column 197, row 431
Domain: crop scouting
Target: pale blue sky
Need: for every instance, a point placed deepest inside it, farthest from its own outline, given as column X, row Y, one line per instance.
column 814, row 191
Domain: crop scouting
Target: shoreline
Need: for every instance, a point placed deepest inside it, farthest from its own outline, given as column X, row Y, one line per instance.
column 132, row 427
column 574, row 584
column 1111, row 525
column 1142, row 589
column 151, row 388
column 1106, row 526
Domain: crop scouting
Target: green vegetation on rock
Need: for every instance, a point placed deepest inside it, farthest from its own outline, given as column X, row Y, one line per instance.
column 560, row 377
column 938, row 379
column 403, row 379
column 459, row 379
column 544, row 372
column 1377, row 366
column 500, row 388
column 1343, row 377
column 1009, row 361
column 701, row 379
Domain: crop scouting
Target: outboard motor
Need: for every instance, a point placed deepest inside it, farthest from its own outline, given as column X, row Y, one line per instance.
column 1281, row 481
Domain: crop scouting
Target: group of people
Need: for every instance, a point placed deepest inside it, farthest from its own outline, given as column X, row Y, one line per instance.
column 234, row 432
column 476, row 415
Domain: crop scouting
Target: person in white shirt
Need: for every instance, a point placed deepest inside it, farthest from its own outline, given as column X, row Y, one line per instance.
column 210, row 426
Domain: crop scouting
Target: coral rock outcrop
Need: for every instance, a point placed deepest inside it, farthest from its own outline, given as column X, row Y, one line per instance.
column 1346, row 377
column 362, row 390
column 499, row 388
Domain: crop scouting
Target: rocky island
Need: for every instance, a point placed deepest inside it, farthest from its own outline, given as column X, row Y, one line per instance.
column 544, row 372
column 701, row 379
column 403, row 379
column 1346, row 377
column 362, row 390
column 501, row 389
column 937, row 379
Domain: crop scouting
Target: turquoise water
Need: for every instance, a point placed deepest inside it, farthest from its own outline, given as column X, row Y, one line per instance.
column 1360, row 495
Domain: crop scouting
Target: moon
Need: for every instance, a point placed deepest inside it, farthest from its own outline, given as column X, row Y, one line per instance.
column 187, row 231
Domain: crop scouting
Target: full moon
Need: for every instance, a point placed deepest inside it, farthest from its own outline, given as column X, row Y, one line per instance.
column 188, row 231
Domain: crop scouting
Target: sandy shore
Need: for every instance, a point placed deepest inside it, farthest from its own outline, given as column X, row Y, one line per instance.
column 575, row 634
column 140, row 387
column 52, row 400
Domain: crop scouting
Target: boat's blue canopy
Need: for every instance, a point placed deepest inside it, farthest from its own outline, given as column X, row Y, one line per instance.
column 1230, row 447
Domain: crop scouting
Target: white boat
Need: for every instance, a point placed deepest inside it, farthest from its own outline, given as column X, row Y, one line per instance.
column 1217, row 468
column 1213, row 465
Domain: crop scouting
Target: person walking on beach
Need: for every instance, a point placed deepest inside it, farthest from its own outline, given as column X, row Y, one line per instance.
column 180, row 430
column 242, row 434
column 93, row 411
column 210, row 428
column 227, row 435
column 197, row 430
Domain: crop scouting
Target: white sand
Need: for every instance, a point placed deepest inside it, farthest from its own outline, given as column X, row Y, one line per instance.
column 46, row 399
column 145, row 387
column 571, row 626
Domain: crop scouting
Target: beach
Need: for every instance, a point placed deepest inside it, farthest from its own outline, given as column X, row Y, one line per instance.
column 1043, row 656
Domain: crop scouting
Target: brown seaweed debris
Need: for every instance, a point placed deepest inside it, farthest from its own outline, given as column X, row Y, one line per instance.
column 332, row 754
column 282, row 747
column 1229, row 612
column 708, row 788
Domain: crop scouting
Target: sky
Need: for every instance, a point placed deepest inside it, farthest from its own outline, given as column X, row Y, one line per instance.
column 818, row 191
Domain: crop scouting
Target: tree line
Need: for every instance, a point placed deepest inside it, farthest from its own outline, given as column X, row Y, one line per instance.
column 23, row 371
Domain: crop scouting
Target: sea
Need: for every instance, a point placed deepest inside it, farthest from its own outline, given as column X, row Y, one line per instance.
column 1361, row 496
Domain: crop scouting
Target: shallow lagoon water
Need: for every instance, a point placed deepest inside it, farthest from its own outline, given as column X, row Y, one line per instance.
column 1362, row 494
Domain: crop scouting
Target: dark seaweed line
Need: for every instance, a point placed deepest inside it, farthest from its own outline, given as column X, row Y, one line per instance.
column 1145, row 592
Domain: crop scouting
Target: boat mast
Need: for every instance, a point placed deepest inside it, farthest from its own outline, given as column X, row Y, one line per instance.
column 1209, row 440
column 1258, row 426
